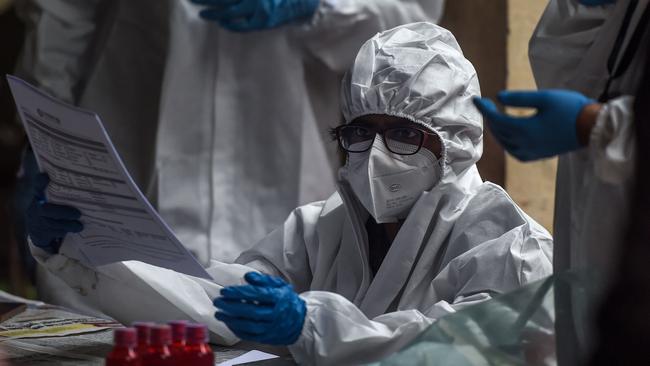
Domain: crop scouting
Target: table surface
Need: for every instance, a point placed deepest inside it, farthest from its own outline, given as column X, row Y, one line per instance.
column 91, row 348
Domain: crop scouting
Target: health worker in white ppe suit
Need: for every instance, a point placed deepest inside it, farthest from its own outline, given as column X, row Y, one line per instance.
column 412, row 234
column 593, row 53
column 247, row 87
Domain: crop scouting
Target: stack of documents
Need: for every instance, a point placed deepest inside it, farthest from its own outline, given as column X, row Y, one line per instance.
column 85, row 171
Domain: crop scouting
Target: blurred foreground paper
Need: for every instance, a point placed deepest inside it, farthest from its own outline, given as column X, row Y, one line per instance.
column 47, row 321
column 517, row 328
column 72, row 146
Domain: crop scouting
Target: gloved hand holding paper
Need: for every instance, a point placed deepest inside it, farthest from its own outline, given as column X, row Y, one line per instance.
column 85, row 171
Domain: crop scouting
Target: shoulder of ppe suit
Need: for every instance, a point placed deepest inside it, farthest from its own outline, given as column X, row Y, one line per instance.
column 491, row 216
column 303, row 218
column 521, row 259
column 313, row 213
column 612, row 141
column 491, row 200
column 294, row 237
column 332, row 201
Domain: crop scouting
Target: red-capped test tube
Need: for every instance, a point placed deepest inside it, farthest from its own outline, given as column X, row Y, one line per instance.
column 142, row 330
column 123, row 353
column 159, row 340
column 197, row 350
column 177, row 348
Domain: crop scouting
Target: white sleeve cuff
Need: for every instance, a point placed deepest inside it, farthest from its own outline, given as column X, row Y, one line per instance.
column 612, row 142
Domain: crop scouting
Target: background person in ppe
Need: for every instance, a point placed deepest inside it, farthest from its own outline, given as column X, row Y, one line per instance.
column 230, row 91
column 412, row 234
column 623, row 324
column 597, row 49
column 107, row 56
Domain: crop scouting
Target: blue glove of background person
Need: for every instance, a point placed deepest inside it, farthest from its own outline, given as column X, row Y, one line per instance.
column 47, row 223
column 596, row 2
column 551, row 131
column 267, row 310
column 250, row 15
column 23, row 195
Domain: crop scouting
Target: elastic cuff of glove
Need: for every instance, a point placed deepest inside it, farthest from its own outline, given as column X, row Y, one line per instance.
column 581, row 122
column 39, row 253
column 302, row 314
column 599, row 131
column 305, row 339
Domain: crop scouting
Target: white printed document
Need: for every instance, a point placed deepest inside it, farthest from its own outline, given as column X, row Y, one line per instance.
column 85, row 171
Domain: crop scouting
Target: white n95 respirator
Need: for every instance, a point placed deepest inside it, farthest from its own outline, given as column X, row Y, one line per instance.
column 389, row 184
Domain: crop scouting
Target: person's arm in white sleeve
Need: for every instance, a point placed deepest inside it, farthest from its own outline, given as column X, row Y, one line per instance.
column 612, row 142
column 61, row 41
column 131, row 291
column 336, row 332
column 339, row 27
column 135, row 291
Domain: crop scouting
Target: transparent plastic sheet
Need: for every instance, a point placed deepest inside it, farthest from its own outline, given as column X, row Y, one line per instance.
column 517, row 328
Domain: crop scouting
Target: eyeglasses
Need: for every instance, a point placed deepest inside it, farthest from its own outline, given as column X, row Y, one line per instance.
column 399, row 140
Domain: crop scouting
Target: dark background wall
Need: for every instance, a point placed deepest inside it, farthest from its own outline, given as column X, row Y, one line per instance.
column 12, row 274
column 481, row 29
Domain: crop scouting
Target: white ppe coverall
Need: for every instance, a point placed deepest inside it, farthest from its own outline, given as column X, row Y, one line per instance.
column 574, row 47
column 463, row 242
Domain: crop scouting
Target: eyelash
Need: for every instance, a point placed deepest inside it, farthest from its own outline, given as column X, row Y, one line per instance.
column 332, row 132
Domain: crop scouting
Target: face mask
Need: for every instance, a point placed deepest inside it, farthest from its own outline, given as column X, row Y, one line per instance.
column 388, row 184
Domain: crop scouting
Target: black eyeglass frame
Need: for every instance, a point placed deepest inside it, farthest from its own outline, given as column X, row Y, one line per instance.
column 423, row 137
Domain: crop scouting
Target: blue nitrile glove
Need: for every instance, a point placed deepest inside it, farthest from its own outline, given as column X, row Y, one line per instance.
column 596, row 2
column 251, row 15
column 267, row 310
column 47, row 223
column 551, row 131
column 23, row 195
